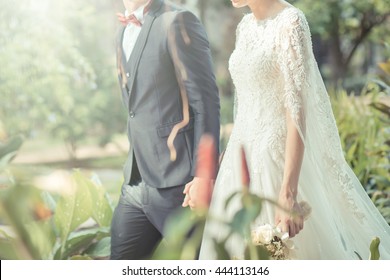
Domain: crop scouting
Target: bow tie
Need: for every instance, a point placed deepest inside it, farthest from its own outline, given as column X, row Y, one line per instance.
column 132, row 19
column 129, row 19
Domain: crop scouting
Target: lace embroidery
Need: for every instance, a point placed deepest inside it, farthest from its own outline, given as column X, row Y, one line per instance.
column 269, row 68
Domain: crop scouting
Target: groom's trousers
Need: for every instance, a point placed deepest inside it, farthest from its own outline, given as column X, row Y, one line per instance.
column 139, row 218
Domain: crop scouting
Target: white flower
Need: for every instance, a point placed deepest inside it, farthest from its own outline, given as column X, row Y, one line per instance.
column 281, row 234
column 274, row 240
column 263, row 234
column 284, row 237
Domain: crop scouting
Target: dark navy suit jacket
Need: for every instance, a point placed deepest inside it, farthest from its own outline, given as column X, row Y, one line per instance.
column 171, row 56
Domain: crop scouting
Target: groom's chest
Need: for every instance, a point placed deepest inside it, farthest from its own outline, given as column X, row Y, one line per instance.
column 145, row 55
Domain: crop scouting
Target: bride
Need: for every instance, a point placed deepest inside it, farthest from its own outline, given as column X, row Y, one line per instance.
column 285, row 123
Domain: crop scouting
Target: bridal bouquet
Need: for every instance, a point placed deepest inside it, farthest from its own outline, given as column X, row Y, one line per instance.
column 277, row 243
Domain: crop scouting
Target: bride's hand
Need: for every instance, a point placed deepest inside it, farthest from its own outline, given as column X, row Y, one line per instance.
column 289, row 219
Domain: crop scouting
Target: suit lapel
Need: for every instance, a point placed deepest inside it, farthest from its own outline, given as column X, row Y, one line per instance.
column 141, row 42
column 138, row 49
column 121, row 51
column 120, row 57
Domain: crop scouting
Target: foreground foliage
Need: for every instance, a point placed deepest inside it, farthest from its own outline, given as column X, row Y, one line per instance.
column 37, row 224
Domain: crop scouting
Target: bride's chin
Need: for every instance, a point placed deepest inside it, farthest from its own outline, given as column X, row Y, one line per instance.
column 237, row 4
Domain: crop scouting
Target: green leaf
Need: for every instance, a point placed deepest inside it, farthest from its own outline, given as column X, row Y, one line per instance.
column 179, row 225
column 246, row 215
column 191, row 246
column 352, row 150
column 79, row 241
column 34, row 236
column 222, row 253
column 165, row 252
column 42, row 236
column 382, row 108
column 229, row 199
column 74, row 209
column 240, row 222
column 101, row 249
column 101, row 208
column 256, row 252
column 182, row 238
column 6, row 159
column 8, row 249
column 374, row 249
column 358, row 255
column 49, row 200
column 81, row 258
column 11, row 146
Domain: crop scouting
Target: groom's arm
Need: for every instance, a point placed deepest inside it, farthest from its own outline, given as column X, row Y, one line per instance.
column 191, row 56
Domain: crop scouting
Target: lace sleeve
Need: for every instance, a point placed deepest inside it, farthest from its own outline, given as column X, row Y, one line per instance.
column 235, row 105
column 235, row 100
column 295, row 43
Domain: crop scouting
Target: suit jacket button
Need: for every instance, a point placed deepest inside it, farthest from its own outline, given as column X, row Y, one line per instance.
column 131, row 114
column 128, row 75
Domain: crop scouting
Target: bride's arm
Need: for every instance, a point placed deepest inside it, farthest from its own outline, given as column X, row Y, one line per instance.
column 293, row 160
column 291, row 220
column 293, row 57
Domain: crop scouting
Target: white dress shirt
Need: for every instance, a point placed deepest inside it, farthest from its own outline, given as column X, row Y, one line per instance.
column 132, row 31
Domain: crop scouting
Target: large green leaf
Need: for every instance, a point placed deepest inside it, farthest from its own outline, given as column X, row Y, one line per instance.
column 79, row 241
column 73, row 209
column 101, row 208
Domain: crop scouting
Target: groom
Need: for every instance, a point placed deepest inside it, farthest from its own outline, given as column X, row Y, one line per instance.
column 164, row 64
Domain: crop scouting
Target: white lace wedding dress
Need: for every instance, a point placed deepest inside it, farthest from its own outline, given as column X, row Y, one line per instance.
column 274, row 72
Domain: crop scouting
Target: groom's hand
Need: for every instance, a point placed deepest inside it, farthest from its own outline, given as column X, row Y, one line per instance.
column 187, row 198
column 197, row 193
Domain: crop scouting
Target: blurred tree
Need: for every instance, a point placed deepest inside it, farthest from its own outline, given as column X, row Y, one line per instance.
column 58, row 73
column 346, row 25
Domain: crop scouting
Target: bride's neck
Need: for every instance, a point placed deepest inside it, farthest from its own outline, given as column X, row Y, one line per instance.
column 263, row 9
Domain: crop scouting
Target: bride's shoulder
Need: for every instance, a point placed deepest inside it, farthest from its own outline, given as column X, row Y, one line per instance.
column 243, row 22
column 245, row 19
column 293, row 17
